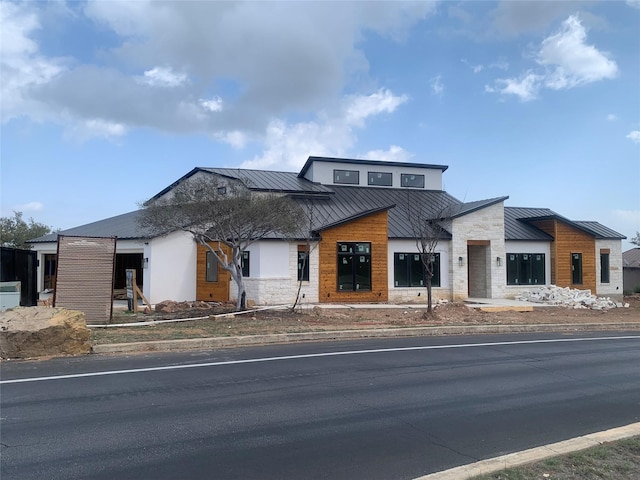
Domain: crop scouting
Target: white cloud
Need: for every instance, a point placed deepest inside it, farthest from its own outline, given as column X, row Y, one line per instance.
column 393, row 154
column 634, row 136
column 612, row 117
column 287, row 146
column 22, row 66
column 437, row 88
column 359, row 107
column 193, row 54
column 634, row 3
column 163, row 77
column 96, row 127
column 567, row 61
column 212, row 104
column 29, row 207
column 571, row 60
column 525, row 88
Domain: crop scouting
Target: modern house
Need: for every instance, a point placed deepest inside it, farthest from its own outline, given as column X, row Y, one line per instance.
column 363, row 246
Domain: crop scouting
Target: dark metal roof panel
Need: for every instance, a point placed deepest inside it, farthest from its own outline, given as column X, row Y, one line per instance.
column 516, row 229
column 631, row 258
column 123, row 226
column 267, row 180
column 599, row 230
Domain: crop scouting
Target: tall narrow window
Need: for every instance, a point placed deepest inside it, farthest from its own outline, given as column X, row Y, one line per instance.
column 245, row 264
column 303, row 265
column 212, row 267
column 354, row 266
column 604, row 267
column 576, row 268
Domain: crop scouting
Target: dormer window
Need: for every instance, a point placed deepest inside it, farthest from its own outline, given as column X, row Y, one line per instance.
column 410, row 180
column 347, row 177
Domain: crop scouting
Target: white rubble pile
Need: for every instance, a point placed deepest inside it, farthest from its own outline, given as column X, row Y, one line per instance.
column 570, row 298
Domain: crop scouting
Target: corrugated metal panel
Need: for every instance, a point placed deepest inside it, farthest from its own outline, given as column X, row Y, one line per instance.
column 84, row 277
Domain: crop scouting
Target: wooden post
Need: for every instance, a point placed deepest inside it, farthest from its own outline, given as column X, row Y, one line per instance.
column 132, row 297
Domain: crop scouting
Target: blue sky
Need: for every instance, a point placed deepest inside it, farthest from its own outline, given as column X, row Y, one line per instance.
column 106, row 103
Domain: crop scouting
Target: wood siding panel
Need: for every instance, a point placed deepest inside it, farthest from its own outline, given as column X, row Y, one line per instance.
column 570, row 240
column 373, row 229
column 211, row 291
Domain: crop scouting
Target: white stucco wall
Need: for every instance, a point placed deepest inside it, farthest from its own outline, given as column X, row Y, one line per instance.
column 322, row 172
column 274, row 281
column 486, row 224
column 614, row 287
column 528, row 247
column 418, row 294
column 170, row 273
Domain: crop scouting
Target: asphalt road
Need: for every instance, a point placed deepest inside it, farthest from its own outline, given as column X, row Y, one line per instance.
column 376, row 409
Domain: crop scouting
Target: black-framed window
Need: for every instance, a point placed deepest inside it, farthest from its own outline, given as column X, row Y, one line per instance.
column 411, row 180
column 382, row 179
column 348, row 177
column 211, row 272
column 604, row 268
column 354, row 266
column 303, row 266
column 409, row 270
column 244, row 263
column 576, row 268
column 525, row 269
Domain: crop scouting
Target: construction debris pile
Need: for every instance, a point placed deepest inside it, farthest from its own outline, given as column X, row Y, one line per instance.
column 569, row 298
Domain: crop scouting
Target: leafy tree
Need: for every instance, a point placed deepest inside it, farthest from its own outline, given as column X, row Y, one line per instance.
column 221, row 214
column 636, row 240
column 15, row 231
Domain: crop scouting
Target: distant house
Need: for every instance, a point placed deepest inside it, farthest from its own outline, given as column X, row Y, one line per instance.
column 364, row 249
column 631, row 270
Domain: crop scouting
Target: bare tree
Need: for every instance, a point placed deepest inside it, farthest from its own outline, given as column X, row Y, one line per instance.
column 429, row 225
column 308, row 212
column 635, row 240
column 222, row 214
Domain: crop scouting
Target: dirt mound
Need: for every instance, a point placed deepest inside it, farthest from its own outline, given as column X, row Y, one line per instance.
column 41, row 331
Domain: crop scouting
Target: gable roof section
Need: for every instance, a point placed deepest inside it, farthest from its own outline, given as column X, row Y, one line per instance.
column 599, row 231
column 517, row 229
column 355, row 161
column 258, row 180
column 124, row 226
column 470, row 207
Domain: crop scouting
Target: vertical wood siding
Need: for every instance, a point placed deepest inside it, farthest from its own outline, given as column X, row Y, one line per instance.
column 373, row 229
column 568, row 240
column 211, row 291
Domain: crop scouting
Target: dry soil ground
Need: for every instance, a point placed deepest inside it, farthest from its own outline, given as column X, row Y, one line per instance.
column 323, row 319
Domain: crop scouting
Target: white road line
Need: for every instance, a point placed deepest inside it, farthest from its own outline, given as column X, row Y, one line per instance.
column 311, row 355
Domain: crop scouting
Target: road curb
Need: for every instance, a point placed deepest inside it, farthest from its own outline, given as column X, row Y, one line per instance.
column 496, row 464
column 250, row 340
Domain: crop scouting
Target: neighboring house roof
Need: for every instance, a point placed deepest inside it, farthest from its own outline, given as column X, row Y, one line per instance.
column 123, row 226
column 631, row 258
column 355, row 161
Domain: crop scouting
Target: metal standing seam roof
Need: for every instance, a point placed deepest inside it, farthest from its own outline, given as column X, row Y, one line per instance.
column 631, row 258
column 124, row 226
column 599, row 231
column 516, row 229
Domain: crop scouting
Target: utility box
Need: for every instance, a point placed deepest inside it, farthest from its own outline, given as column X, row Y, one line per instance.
column 9, row 295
